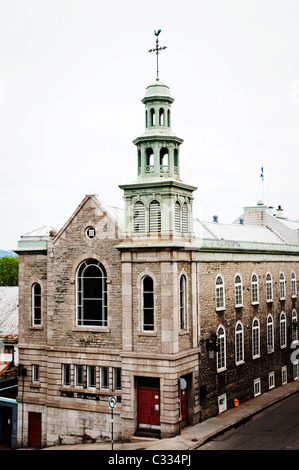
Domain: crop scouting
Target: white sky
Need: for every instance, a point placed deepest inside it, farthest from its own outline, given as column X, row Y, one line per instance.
column 72, row 76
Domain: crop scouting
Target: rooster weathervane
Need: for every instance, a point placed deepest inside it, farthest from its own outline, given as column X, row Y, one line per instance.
column 157, row 49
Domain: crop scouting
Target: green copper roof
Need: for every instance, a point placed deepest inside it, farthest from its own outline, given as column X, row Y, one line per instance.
column 157, row 90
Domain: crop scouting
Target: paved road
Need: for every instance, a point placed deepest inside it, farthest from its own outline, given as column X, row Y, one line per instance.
column 277, row 428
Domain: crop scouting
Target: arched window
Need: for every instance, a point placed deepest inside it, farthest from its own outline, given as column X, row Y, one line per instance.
column 148, row 303
column 239, row 343
column 254, row 289
column 220, row 297
column 269, row 288
column 139, row 162
column 139, row 217
column 183, row 302
column 161, row 117
column 294, row 326
column 168, row 118
column 221, row 353
column 152, row 117
column 36, row 304
column 255, row 338
column 164, row 160
column 270, row 334
column 176, row 161
column 293, row 285
column 154, row 217
column 283, row 330
column 149, row 164
column 282, row 287
column 185, row 218
column 238, row 291
column 91, row 294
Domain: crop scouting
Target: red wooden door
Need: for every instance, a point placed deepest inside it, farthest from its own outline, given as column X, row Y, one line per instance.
column 184, row 405
column 148, row 407
column 35, row 430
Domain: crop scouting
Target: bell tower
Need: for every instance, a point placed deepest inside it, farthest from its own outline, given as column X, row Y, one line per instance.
column 158, row 204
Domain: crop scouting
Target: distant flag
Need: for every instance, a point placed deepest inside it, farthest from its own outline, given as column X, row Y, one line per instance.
column 262, row 173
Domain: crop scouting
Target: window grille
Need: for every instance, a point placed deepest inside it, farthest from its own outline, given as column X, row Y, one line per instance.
column 154, row 217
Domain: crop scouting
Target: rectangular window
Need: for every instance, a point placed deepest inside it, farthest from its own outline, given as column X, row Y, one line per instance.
column 271, row 380
column 257, row 387
column 91, row 376
column 117, row 378
column 66, row 374
column 284, row 375
column 35, row 373
column 295, row 370
column 79, row 376
column 105, row 378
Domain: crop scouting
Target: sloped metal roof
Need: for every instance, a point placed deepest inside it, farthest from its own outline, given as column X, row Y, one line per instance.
column 236, row 232
column 9, row 299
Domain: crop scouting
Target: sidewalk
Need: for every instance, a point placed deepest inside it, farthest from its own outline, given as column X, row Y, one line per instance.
column 194, row 436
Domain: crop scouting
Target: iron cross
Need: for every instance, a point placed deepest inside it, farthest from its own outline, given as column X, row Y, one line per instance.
column 157, row 49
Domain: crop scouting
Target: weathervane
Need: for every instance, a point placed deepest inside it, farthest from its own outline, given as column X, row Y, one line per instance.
column 157, row 50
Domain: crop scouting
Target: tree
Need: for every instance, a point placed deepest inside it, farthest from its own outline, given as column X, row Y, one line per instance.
column 9, row 271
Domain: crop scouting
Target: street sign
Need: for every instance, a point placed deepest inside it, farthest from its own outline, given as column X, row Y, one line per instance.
column 112, row 402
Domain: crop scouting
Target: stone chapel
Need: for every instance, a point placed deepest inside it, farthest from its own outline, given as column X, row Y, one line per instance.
column 173, row 316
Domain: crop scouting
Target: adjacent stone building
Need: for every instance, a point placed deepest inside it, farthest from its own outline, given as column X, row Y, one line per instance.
column 174, row 317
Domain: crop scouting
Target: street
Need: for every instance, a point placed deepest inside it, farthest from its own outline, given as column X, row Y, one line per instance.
column 276, row 428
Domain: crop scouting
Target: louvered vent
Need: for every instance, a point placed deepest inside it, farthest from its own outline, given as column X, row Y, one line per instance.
column 155, row 217
column 177, row 216
column 139, row 217
column 185, row 218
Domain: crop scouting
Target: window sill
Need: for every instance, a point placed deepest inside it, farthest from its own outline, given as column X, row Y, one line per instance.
column 99, row 329
column 255, row 303
column 36, row 327
column 147, row 333
column 240, row 363
column 239, row 306
column 220, row 309
column 269, row 301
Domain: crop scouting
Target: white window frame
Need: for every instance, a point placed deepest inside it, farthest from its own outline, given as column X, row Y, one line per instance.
column 257, row 387
column 282, row 286
column 294, row 330
column 104, row 374
column 296, row 370
column 35, row 373
column 284, row 375
column 283, row 330
column 220, row 293
column 254, row 289
column 239, row 343
column 221, row 354
column 270, row 334
column 269, row 287
column 183, row 302
column 66, row 375
column 79, row 369
column 293, row 285
column 116, row 378
column 91, row 381
column 256, row 352
column 34, row 304
column 238, row 286
column 271, row 380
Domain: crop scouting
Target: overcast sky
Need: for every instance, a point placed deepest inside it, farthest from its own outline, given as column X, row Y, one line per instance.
column 72, row 76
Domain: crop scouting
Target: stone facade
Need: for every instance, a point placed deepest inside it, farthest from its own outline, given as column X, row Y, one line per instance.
column 146, row 328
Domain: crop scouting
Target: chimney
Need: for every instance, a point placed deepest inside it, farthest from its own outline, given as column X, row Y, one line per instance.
column 279, row 211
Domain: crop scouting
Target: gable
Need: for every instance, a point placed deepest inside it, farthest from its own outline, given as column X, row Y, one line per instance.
column 92, row 214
